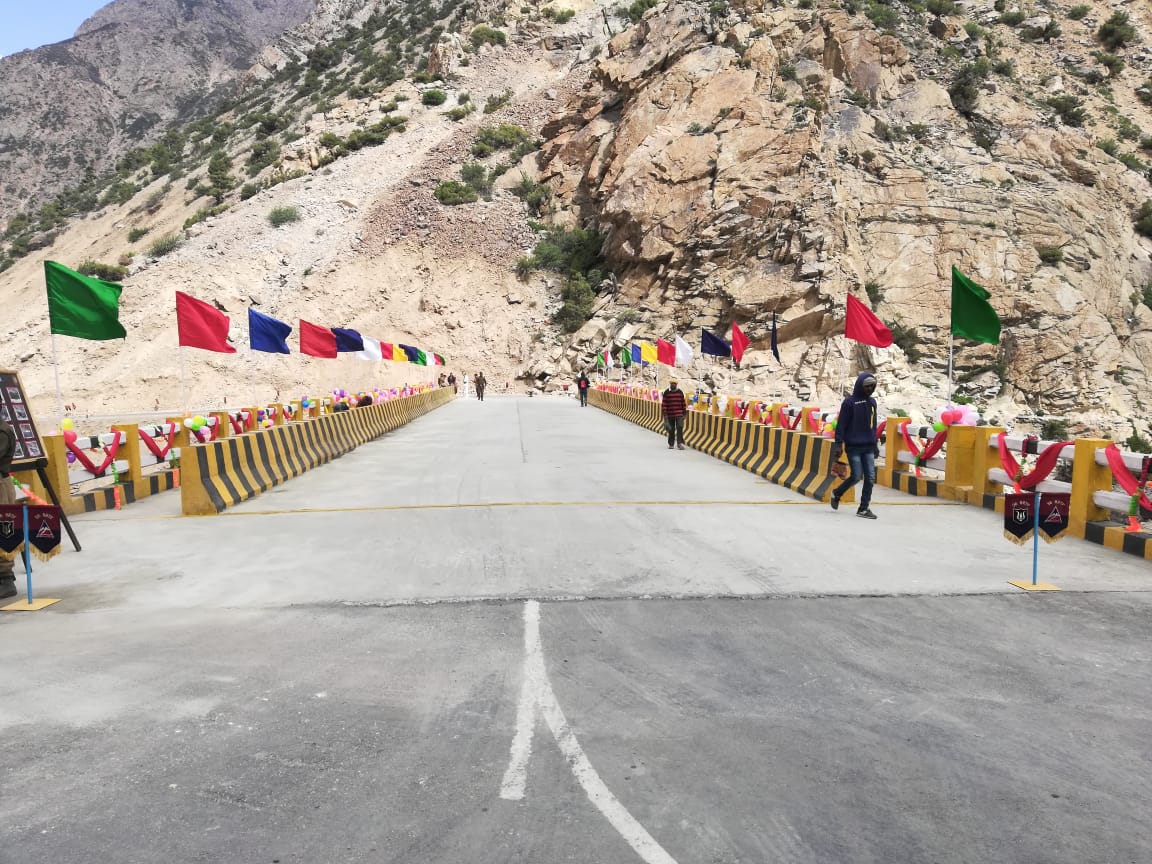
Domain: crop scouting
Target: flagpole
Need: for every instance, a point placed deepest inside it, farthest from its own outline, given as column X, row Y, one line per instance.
column 951, row 341
column 183, row 389
column 56, row 372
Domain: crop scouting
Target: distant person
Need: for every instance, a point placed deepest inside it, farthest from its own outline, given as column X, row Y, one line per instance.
column 674, row 406
column 452, row 383
column 365, row 401
column 582, row 384
column 481, row 383
column 339, row 406
column 7, row 496
column 856, row 434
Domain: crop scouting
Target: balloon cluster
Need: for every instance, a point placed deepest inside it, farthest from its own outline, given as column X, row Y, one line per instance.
column 829, row 430
column 195, row 423
column 954, row 415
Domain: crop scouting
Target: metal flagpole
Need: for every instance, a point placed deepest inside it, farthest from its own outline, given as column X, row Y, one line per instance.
column 56, row 371
column 951, row 341
column 183, row 389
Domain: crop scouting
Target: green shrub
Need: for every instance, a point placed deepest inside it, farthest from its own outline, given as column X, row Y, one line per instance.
column 1012, row 19
column 1137, row 443
column 965, row 88
column 883, row 16
column 278, row 216
column 263, row 154
column 907, row 340
column 1111, row 62
column 476, row 176
column 1144, row 92
column 1054, row 429
column 1116, row 32
column 330, row 140
column 636, row 11
column 485, row 35
column 940, row 7
column 1133, row 162
column 434, row 97
column 498, row 101
column 875, row 293
column 1109, row 146
column 578, row 297
column 1146, row 143
column 1143, row 219
column 1050, row 254
column 248, row 190
column 453, row 192
column 165, row 244
column 204, row 213
column 1077, row 13
column 1005, row 68
column 1047, row 33
column 460, row 112
column 220, row 179
column 136, row 233
column 506, row 136
column 107, row 272
column 1068, row 108
column 535, row 195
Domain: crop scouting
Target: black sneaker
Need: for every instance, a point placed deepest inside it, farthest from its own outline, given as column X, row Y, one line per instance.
column 865, row 514
column 835, row 503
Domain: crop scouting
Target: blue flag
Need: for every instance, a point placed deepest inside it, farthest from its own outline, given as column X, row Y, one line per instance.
column 267, row 334
column 637, row 356
column 413, row 354
column 775, row 349
column 348, row 340
column 713, row 345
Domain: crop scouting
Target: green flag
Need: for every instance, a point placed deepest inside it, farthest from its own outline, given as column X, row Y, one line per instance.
column 972, row 315
column 421, row 358
column 81, row 306
column 625, row 356
column 600, row 360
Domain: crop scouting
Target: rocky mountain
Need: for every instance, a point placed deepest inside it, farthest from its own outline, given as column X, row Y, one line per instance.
column 134, row 67
column 521, row 186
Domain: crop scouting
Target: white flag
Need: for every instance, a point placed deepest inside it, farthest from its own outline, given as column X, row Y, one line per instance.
column 608, row 358
column 683, row 352
column 371, row 350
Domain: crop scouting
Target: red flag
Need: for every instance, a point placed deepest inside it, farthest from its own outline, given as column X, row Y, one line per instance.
column 665, row 353
column 862, row 326
column 739, row 342
column 201, row 325
column 317, row 341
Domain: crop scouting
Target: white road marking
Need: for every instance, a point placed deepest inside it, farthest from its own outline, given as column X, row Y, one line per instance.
column 536, row 697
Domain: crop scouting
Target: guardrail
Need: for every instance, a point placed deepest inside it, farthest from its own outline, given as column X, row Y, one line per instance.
column 964, row 463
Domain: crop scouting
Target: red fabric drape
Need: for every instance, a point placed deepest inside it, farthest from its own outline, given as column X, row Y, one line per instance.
column 1045, row 462
column 89, row 466
column 156, row 450
column 1123, row 476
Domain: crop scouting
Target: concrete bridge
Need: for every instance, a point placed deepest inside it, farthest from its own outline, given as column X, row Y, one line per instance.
column 520, row 630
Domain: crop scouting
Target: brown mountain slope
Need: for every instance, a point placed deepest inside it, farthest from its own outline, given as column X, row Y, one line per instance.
column 135, row 65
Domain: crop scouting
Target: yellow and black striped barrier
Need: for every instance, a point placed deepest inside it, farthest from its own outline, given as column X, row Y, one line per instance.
column 793, row 459
column 222, row 473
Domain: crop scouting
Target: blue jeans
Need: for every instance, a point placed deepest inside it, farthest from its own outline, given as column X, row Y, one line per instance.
column 862, row 461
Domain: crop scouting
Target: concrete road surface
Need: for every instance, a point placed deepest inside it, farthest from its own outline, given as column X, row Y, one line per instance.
column 522, row 631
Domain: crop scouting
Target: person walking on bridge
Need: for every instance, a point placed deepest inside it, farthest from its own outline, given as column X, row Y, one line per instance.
column 481, row 382
column 856, row 434
column 583, row 384
column 674, row 406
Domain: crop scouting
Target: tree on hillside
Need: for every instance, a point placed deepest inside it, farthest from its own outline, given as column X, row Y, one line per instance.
column 220, row 179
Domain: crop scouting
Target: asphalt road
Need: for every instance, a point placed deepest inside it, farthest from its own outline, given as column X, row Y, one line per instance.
column 336, row 671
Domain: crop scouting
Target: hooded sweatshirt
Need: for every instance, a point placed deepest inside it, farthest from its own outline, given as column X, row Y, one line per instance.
column 856, row 426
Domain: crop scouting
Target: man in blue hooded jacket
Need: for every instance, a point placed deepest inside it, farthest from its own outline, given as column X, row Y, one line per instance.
column 856, row 433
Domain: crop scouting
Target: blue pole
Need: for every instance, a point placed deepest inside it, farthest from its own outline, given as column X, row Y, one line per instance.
column 1035, row 535
column 27, row 556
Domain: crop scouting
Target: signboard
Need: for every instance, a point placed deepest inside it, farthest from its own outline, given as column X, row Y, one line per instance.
column 1054, row 507
column 1019, row 517
column 17, row 413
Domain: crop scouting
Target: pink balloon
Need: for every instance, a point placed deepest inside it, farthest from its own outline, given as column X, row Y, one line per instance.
column 69, row 437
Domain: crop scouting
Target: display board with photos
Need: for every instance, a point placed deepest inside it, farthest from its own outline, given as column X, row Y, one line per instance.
column 17, row 413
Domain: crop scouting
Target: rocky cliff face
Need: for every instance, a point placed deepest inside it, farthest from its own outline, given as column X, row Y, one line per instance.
column 751, row 160
column 134, row 66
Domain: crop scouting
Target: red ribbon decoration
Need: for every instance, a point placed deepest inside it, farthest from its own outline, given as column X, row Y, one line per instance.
column 930, row 449
column 157, row 451
column 1123, row 476
column 237, row 429
column 212, row 432
column 794, row 424
column 89, row 466
column 1045, row 463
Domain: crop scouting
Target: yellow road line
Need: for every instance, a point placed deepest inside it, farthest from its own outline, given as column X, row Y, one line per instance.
column 382, row 508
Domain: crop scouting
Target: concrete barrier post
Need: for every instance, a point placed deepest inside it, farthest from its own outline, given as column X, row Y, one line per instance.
column 57, row 470
column 1087, row 479
column 892, row 444
column 251, row 424
column 131, row 450
column 983, row 458
column 223, row 426
column 958, row 463
column 806, row 424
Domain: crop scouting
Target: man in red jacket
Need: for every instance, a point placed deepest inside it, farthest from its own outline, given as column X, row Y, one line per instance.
column 675, row 407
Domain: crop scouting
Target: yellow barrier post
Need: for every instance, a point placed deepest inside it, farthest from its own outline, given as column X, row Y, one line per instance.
column 223, row 427
column 253, row 424
column 131, row 451
column 57, row 471
column 984, row 457
column 892, row 443
column 806, row 424
column 958, row 459
column 1087, row 479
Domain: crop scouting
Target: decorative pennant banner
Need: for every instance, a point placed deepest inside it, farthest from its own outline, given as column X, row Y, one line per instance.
column 1019, row 517
column 1054, row 507
column 44, row 531
column 11, row 530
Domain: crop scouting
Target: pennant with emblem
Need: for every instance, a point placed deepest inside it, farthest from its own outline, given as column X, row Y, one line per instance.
column 44, row 531
column 1054, row 510
column 11, row 530
column 1019, row 517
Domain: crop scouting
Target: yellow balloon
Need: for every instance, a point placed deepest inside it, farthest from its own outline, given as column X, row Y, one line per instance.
column 67, row 424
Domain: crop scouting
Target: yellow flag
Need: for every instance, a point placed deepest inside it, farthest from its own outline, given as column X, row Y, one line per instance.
column 647, row 352
column 398, row 354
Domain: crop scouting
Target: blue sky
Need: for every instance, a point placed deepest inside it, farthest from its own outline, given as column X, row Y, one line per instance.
column 26, row 24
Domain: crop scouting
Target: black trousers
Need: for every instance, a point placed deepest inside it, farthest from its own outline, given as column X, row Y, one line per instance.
column 583, row 397
column 674, row 426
